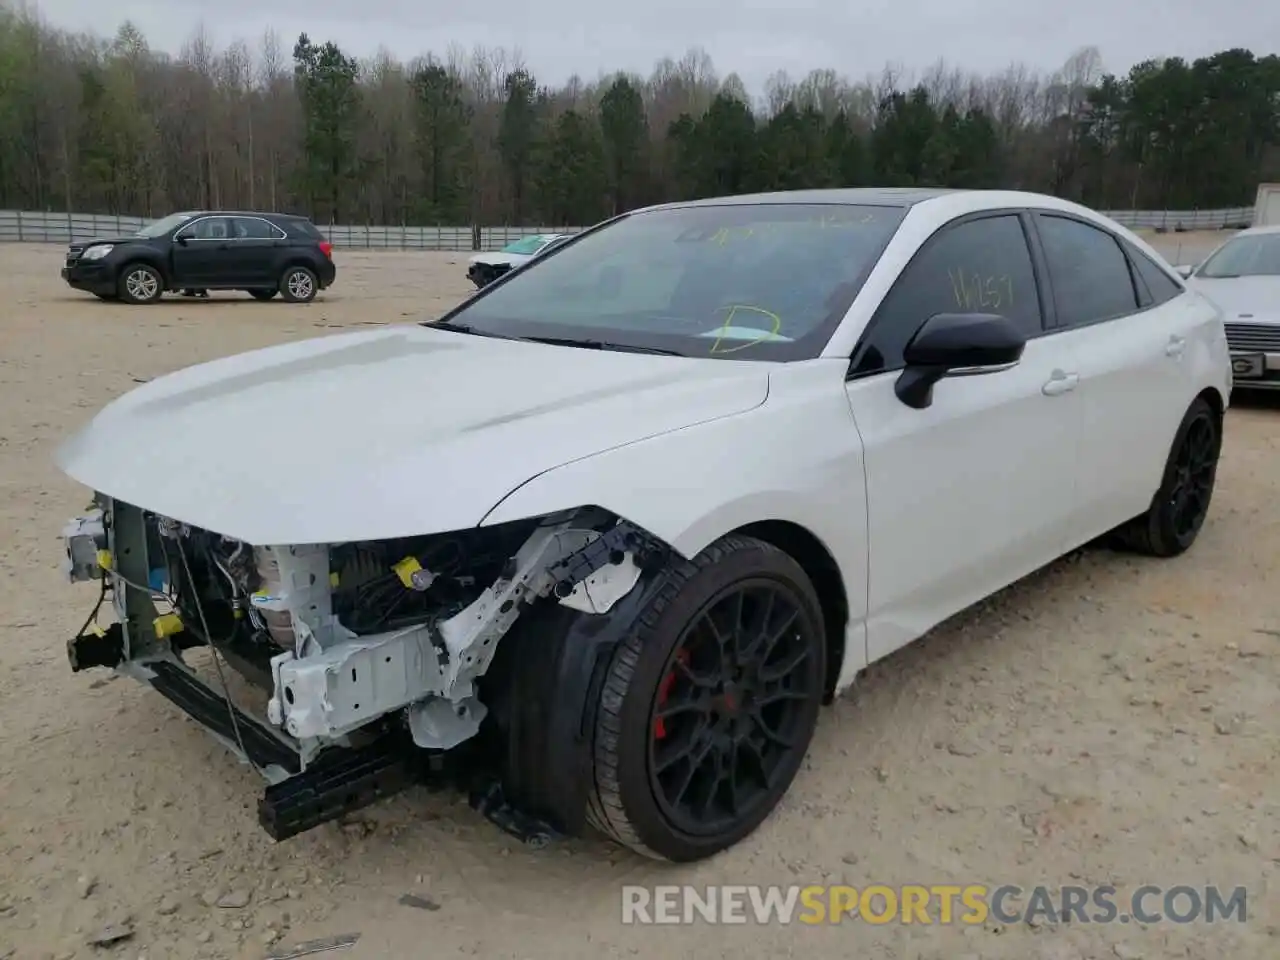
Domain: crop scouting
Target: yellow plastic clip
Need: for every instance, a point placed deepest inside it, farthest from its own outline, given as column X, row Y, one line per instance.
column 166, row 625
column 405, row 570
column 334, row 580
column 104, row 559
column 97, row 630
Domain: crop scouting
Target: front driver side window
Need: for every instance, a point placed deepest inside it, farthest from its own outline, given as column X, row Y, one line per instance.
column 978, row 266
column 210, row 228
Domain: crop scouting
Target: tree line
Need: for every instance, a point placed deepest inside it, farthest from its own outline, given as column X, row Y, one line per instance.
column 98, row 125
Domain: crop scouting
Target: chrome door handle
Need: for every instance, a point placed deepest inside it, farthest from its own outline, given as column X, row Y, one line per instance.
column 1175, row 346
column 1060, row 383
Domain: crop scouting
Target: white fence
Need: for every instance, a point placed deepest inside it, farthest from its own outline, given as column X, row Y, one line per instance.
column 21, row 226
column 17, row 226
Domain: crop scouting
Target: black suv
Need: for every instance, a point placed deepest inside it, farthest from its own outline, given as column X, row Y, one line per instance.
column 260, row 253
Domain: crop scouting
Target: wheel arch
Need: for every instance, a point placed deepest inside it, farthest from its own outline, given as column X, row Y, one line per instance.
column 1216, row 401
column 820, row 566
column 152, row 260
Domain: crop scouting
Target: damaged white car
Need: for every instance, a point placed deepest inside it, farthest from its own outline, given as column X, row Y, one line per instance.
column 600, row 542
column 484, row 268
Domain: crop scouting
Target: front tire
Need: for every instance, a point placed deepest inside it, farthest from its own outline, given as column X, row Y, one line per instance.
column 1178, row 509
column 298, row 285
column 710, row 704
column 140, row 283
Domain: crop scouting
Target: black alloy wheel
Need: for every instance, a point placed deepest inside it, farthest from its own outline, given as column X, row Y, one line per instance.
column 709, row 703
column 1181, row 504
column 1195, row 467
column 730, row 708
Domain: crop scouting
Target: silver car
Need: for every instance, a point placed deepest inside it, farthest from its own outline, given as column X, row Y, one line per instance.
column 1242, row 276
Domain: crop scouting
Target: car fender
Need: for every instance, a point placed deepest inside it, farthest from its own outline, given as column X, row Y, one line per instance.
column 143, row 254
column 796, row 459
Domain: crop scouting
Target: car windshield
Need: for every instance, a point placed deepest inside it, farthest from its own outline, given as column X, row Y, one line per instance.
column 163, row 226
column 1252, row 255
column 742, row 281
column 526, row 245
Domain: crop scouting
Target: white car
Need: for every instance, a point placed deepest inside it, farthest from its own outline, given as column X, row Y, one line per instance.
column 484, row 268
column 697, row 471
column 1242, row 276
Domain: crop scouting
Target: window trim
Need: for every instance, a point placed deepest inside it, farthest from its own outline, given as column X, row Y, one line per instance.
column 1037, row 272
column 191, row 223
column 1135, row 278
column 226, row 216
column 1133, row 253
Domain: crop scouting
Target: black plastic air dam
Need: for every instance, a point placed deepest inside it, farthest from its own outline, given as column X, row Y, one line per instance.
column 210, row 708
column 342, row 782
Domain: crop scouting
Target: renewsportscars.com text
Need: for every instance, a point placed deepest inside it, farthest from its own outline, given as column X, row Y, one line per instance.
column 935, row 904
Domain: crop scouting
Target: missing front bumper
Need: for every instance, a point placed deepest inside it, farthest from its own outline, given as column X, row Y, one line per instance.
column 299, row 795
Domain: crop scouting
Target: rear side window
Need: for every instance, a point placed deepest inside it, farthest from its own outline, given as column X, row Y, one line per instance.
column 1091, row 279
column 978, row 266
column 255, row 228
column 307, row 228
column 1159, row 285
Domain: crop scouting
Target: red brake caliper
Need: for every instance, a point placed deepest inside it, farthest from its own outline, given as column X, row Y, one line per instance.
column 664, row 691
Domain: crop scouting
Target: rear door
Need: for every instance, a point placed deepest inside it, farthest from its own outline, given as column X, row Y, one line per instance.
column 1130, row 332
column 251, row 254
column 976, row 490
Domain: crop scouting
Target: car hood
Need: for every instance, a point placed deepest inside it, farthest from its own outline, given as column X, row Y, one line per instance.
column 1243, row 299
column 386, row 433
column 115, row 241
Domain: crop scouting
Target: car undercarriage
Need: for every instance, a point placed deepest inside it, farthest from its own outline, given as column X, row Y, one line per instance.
column 381, row 661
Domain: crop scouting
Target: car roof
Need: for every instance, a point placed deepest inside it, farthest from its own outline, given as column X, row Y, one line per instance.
column 866, row 196
column 245, row 213
column 1260, row 231
column 939, row 199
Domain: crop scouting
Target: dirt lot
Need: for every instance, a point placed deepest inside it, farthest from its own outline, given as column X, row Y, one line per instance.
column 1110, row 720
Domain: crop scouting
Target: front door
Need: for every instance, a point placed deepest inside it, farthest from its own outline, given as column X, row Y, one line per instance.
column 198, row 250
column 978, row 489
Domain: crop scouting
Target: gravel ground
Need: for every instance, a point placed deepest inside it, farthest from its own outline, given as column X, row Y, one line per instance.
column 1109, row 720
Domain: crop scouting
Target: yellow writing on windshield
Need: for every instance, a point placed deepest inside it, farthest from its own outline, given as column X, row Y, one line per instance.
column 975, row 291
column 775, row 323
column 725, row 235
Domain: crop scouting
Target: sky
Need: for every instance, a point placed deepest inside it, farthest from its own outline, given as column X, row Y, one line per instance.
column 754, row 38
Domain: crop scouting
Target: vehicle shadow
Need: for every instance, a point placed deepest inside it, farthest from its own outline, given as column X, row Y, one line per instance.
column 222, row 298
column 1255, row 399
column 924, row 670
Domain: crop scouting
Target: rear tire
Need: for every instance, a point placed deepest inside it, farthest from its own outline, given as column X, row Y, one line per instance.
column 140, row 283
column 298, row 285
column 1178, row 509
column 736, row 639
column 263, row 294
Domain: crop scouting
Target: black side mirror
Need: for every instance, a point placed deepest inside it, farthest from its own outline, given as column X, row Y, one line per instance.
column 180, row 241
column 956, row 344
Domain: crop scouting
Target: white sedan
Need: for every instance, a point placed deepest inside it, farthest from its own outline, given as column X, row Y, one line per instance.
column 1242, row 276
column 484, row 268
column 696, row 472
